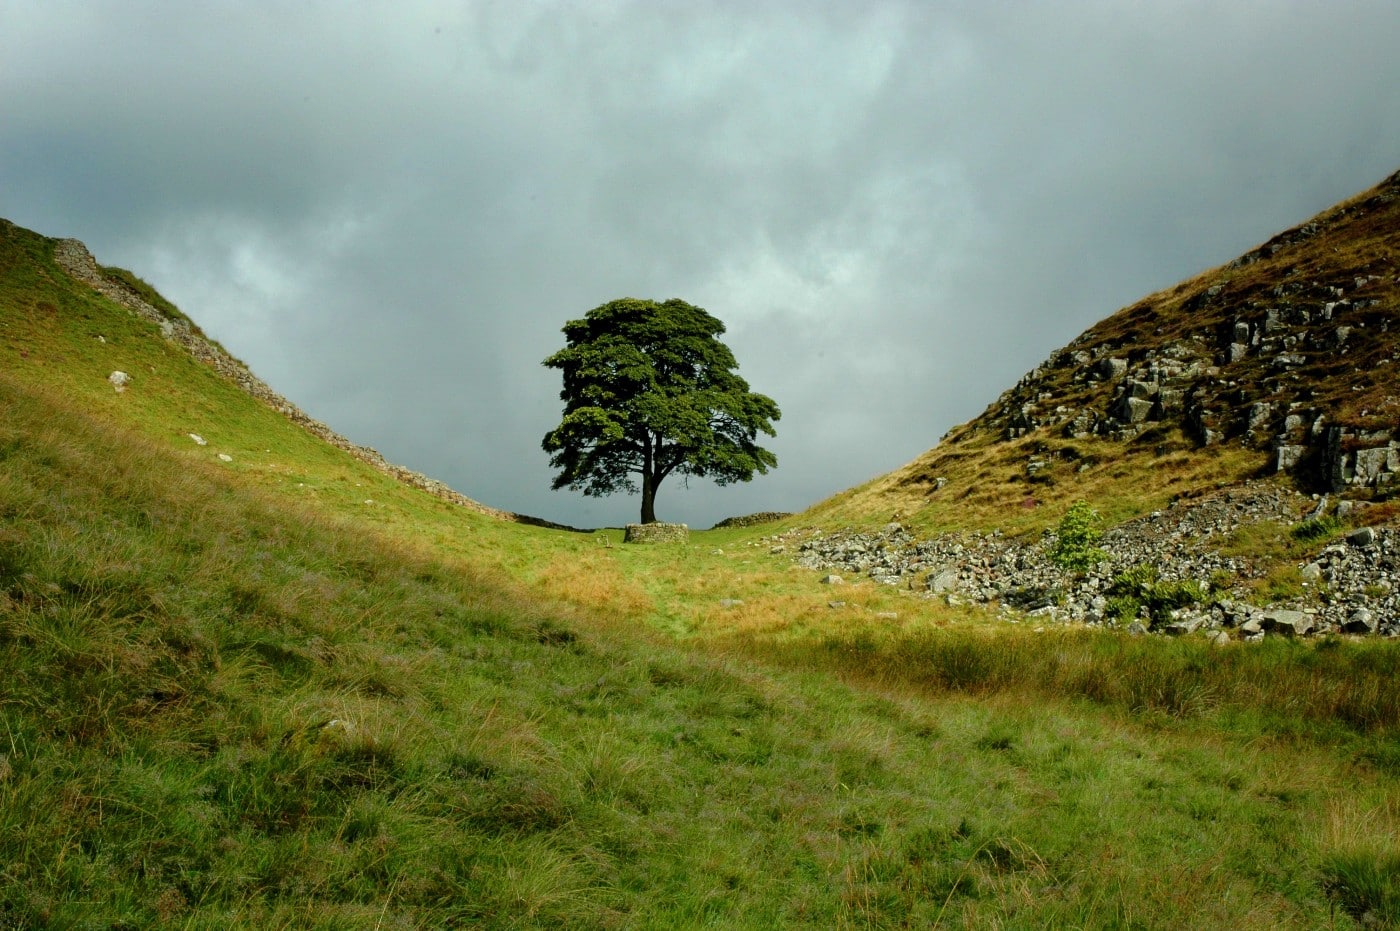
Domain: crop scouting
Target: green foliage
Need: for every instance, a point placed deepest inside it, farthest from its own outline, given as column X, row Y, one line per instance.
column 1141, row 587
column 1076, row 545
column 650, row 391
column 1317, row 529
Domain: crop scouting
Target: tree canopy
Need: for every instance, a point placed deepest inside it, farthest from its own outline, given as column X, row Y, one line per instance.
column 650, row 391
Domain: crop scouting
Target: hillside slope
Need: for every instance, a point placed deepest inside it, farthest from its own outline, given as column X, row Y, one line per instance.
column 1283, row 361
column 255, row 682
column 28, row 255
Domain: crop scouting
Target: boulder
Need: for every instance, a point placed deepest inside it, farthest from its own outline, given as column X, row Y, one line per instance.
column 1361, row 621
column 1288, row 623
column 1184, row 623
column 1111, row 369
column 1370, row 463
column 1132, row 410
column 944, row 580
column 119, row 381
column 1287, row 457
column 1361, row 536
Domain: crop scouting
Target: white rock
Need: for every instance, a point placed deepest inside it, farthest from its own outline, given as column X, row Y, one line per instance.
column 119, row 381
column 225, row 457
column 199, row 440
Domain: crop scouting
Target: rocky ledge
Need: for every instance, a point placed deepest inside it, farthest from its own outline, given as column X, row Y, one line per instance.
column 1150, row 565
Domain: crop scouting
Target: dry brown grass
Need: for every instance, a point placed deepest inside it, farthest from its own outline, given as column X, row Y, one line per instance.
column 590, row 578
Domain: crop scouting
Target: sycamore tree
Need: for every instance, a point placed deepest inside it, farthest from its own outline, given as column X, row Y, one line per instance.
column 650, row 392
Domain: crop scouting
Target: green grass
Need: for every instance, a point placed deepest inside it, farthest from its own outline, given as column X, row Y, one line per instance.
column 237, row 696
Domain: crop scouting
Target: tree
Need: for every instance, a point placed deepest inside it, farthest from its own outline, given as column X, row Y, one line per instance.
column 650, row 391
column 1076, row 545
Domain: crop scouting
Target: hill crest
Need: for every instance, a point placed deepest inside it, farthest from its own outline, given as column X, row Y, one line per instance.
column 1281, row 361
column 128, row 291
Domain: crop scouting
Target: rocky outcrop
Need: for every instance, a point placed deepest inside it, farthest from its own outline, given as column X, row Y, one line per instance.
column 1351, row 586
column 1288, row 350
column 75, row 259
column 1243, row 383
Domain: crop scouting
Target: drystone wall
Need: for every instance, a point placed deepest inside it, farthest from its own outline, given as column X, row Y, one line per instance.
column 656, row 533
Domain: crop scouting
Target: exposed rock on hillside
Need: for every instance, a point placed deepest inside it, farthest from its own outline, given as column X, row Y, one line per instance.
column 1289, row 349
column 1348, row 587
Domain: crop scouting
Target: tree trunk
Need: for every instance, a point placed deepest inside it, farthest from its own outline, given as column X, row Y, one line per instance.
column 648, row 500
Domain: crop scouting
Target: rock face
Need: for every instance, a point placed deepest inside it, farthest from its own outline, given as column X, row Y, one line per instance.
column 75, row 259
column 1289, row 350
column 656, row 533
column 1349, row 587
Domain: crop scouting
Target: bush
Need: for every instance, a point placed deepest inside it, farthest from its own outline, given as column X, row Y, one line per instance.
column 1141, row 587
column 1316, row 528
column 1076, row 545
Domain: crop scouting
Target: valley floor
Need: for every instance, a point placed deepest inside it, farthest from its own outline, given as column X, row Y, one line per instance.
column 222, row 709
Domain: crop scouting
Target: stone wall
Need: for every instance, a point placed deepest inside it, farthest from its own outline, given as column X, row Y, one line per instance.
column 656, row 533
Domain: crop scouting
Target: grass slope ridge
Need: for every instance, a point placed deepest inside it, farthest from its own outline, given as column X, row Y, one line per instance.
column 136, row 295
column 1282, row 360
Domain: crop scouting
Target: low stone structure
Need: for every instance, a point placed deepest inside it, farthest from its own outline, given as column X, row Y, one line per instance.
column 656, row 533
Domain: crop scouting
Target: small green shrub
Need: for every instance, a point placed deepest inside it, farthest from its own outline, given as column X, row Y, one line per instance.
column 1076, row 545
column 1141, row 587
column 1316, row 529
column 1123, row 607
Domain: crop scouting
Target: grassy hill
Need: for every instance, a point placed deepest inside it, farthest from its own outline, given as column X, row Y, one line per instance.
column 1287, row 349
column 263, row 683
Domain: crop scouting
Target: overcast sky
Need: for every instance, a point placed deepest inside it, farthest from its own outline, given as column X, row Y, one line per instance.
column 389, row 210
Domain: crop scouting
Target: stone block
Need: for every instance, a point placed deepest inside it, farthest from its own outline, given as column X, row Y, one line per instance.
column 1288, row 623
column 1370, row 463
column 1133, row 410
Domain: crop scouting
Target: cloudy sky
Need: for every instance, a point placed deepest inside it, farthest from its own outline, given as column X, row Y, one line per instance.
column 389, row 210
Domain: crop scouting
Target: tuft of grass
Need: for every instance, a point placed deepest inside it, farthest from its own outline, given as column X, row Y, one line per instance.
column 1361, row 863
column 1317, row 529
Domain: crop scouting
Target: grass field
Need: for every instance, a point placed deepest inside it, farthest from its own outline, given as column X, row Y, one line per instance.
column 236, row 695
